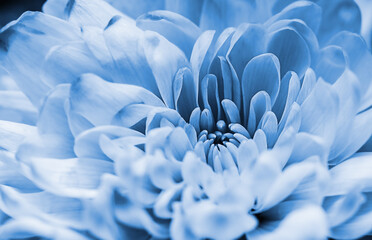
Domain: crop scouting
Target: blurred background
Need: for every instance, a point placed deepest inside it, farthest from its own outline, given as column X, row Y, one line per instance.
column 12, row 9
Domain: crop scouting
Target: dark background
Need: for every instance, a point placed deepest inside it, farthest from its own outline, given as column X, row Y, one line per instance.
column 12, row 9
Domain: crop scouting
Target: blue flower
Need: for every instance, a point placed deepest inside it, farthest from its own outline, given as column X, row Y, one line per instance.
column 156, row 128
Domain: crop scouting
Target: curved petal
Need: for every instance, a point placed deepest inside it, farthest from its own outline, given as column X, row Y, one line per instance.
column 13, row 134
column 307, row 11
column 357, row 226
column 308, row 222
column 22, row 58
column 87, row 143
column 353, row 172
column 76, row 177
column 340, row 15
column 222, row 14
column 178, row 30
column 262, row 73
column 140, row 7
column 16, row 107
column 208, row 220
column 28, row 227
column 164, row 59
column 248, row 39
column 291, row 49
column 91, row 13
column 99, row 101
column 319, row 112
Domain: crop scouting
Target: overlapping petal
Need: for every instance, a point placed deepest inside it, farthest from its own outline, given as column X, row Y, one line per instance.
column 152, row 128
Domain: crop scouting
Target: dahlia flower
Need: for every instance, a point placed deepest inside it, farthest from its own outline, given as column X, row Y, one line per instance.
column 196, row 120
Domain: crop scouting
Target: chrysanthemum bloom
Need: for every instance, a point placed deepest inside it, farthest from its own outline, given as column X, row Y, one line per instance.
column 153, row 128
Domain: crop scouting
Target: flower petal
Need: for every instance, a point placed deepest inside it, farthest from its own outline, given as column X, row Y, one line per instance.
column 208, row 220
column 248, row 38
column 178, row 30
column 357, row 226
column 307, row 11
column 262, row 73
column 91, row 13
column 13, row 134
column 309, row 222
column 353, row 172
column 164, row 59
column 22, row 58
column 99, row 101
column 341, row 15
column 75, row 177
column 319, row 112
column 291, row 49
column 15, row 107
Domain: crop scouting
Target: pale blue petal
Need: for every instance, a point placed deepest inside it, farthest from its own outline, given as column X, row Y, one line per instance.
column 91, row 13
column 308, row 83
column 260, row 139
column 339, row 15
column 87, row 143
column 23, row 58
column 75, row 177
column 247, row 154
column 99, row 101
column 231, row 111
column 28, row 227
column 353, row 172
column 263, row 174
column 209, row 95
column 138, row 8
column 190, row 9
column 164, row 59
column 309, row 222
column 250, row 39
column 269, row 124
column 319, row 112
column 349, row 94
column 262, row 73
column 221, row 14
column 160, row 115
column 289, row 89
column 307, row 145
column 126, row 66
column 55, row 8
column 52, row 115
column 231, row 84
column 359, row 61
column 258, row 106
column 357, row 226
column 208, row 220
column 360, row 132
column 331, row 63
column 13, row 134
column 199, row 55
column 178, row 144
column 16, row 107
column 47, row 145
column 307, row 11
column 137, row 217
column 52, row 208
column 178, row 30
column 291, row 49
column 341, row 208
column 12, row 175
column 184, row 93
column 290, row 179
column 178, row 228
column 76, row 59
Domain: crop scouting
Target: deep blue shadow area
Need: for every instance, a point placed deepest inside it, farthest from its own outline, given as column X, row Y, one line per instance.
column 12, row 9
